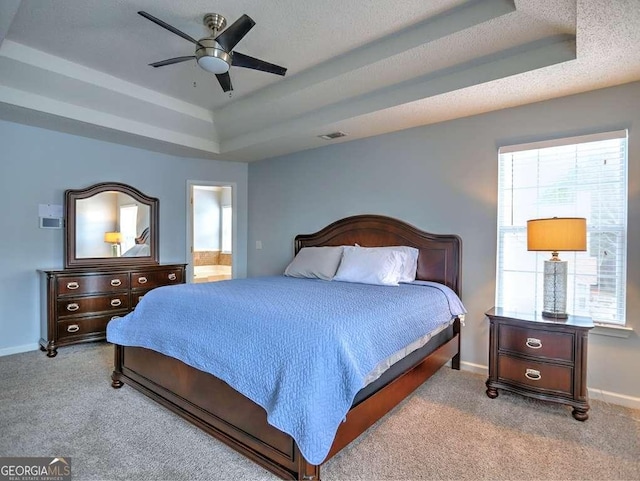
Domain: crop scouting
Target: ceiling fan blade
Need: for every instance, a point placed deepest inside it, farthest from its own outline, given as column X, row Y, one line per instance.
column 232, row 35
column 157, row 21
column 225, row 81
column 241, row 60
column 170, row 61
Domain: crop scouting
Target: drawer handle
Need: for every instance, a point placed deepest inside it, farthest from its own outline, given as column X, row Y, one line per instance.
column 533, row 374
column 140, row 298
column 142, row 280
column 72, row 285
column 73, row 328
column 116, row 282
column 533, row 343
column 172, row 276
column 115, row 302
column 115, row 317
column 73, row 306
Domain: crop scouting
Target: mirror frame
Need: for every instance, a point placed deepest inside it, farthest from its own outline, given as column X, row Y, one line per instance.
column 70, row 198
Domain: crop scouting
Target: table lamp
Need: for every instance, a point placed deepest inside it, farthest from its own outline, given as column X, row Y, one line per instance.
column 556, row 234
column 114, row 238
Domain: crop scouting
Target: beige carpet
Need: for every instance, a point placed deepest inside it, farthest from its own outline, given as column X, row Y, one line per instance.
column 449, row 429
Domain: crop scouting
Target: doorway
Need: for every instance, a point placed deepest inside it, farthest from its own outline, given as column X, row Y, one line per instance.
column 210, row 231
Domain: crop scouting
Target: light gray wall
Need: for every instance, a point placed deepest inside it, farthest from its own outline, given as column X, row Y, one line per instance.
column 443, row 178
column 37, row 166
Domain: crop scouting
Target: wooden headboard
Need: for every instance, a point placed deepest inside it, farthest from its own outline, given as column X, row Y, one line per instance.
column 440, row 256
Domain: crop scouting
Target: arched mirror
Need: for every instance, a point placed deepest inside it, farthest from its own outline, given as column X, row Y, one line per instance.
column 110, row 224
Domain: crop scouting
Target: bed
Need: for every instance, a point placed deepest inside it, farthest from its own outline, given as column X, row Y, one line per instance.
column 214, row 406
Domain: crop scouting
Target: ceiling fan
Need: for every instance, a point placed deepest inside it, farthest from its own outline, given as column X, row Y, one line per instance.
column 215, row 53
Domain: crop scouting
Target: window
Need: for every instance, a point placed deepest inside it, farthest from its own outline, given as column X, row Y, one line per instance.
column 128, row 222
column 576, row 177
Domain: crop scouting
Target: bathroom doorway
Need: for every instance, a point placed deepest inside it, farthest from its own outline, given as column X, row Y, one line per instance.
column 211, row 231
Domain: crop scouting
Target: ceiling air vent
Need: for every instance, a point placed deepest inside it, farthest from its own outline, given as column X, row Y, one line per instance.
column 332, row 135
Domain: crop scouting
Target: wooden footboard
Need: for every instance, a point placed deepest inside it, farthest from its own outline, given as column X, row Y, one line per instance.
column 210, row 404
column 215, row 407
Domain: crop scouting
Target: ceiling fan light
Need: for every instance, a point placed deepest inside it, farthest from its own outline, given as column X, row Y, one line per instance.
column 213, row 64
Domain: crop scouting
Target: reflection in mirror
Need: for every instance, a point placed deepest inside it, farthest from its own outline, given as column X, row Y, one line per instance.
column 112, row 224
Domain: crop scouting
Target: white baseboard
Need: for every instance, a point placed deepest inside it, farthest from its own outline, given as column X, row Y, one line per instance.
column 474, row 368
column 594, row 393
column 614, row 398
column 18, row 349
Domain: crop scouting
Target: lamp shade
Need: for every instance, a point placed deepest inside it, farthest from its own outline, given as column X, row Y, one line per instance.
column 113, row 237
column 557, row 234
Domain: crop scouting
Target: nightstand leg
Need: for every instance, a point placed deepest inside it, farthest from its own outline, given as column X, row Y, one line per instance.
column 116, row 383
column 580, row 414
column 492, row 392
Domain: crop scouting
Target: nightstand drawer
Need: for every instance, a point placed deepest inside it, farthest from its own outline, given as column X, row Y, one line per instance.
column 537, row 343
column 549, row 377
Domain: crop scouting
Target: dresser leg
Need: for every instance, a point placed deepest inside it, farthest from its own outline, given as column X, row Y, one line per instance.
column 580, row 414
column 52, row 351
column 492, row 392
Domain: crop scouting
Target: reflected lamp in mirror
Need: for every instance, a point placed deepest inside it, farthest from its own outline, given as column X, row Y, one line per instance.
column 113, row 238
column 554, row 235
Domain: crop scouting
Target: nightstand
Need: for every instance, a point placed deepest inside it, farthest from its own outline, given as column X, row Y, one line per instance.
column 539, row 357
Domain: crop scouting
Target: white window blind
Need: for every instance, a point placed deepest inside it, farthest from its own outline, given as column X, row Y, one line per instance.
column 576, row 177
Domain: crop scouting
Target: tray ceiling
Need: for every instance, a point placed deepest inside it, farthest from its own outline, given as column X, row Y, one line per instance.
column 364, row 68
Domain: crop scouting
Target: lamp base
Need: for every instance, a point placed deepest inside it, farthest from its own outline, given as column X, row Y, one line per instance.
column 554, row 304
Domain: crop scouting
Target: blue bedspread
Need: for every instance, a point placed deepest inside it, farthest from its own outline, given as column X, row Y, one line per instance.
column 300, row 348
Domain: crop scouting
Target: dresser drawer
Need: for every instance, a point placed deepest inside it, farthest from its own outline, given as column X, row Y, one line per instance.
column 137, row 295
column 149, row 279
column 92, row 284
column 84, row 305
column 535, row 342
column 549, row 377
column 86, row 326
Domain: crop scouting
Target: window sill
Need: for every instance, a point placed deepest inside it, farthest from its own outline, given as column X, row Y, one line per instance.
column 611, row 331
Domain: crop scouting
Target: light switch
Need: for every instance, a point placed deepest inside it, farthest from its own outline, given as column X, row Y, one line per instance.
column 258, row 245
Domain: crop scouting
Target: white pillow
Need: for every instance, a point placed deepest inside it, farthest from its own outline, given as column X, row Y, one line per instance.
column 370, row 266
column 315, row 263
column 410, row 265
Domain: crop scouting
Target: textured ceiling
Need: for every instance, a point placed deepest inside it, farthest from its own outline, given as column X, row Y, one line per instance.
column 364, row 67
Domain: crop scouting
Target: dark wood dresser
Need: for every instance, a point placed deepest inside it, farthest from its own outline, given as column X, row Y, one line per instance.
column 539, row 357
column 77, row 304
